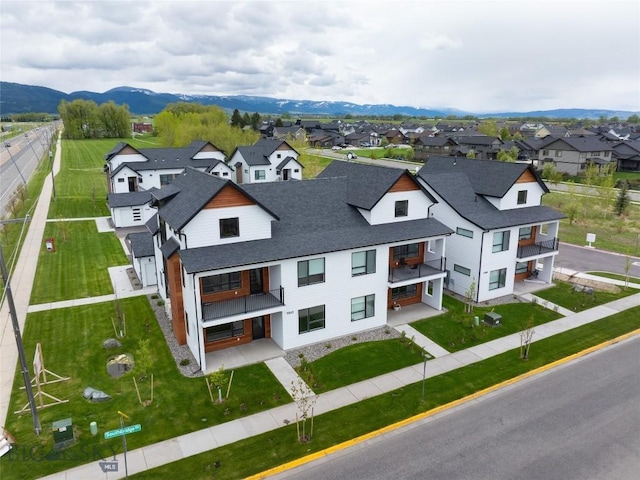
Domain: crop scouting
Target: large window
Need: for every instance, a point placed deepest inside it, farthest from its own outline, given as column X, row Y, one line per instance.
column 464, row 232
column 310, row 319
column 497, row 278
column 166, row 179
column 363, row 262
column 221, row 283
column 260, row 174
column 228, row 330
column 310, row 272
column 407, row 291
column 500, row 241
column 463, row 270
column 525, row 233
column 410, row 250
column 522, row 267
column 402, row 208
column 522, row 197
column 229, row 227
column 363, row 307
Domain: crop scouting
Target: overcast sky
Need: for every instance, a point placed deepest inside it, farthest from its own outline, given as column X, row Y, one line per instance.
column 477, row 56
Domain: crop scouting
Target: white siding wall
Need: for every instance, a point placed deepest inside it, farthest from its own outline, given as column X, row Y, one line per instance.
column 510, row 200
column 224, row 171
column 118, row 160
column 127, row 217
column 335, row 294
column 204, row 228
column 495, row 261
column 206, row 155
column 384, row 211
column 122, row 187
column 270, row 174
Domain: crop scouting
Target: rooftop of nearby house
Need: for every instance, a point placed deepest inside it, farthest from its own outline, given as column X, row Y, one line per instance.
column 259, row 153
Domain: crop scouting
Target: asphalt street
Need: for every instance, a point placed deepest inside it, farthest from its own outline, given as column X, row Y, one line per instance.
column 585, row 259
column 578, row 421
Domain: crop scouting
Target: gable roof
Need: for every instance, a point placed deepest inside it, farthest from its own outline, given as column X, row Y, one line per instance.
column 464, row 183
column 580, row 144
column 367, row 184
column 189, row 192
column 141, row 244
column 129, row 199
column 314, row 219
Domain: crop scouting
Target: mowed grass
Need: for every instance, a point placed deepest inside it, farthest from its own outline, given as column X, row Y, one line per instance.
column 359, row 362
column 563, row 294
column 277, row 447
column 78, row 267
column 72, row 347
column 81, row 185
column 455, row 329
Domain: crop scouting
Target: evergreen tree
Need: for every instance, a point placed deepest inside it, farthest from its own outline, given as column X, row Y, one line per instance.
column 622, row 201
column 246, row 119
column 236, row 119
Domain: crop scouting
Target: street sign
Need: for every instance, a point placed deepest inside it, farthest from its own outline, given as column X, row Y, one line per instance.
column 118, row 432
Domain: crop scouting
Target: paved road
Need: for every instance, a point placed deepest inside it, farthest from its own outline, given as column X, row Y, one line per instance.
column 19, row 161
column 578, row 421
column 585, row 259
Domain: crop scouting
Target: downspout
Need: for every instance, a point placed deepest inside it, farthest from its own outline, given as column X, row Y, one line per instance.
column 198, row 327
column 480, row 266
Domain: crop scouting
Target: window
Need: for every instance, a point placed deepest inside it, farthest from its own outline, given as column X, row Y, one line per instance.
column 229, row 227
column 545, row 153
column 402, row 208
column 296, row 170
column 497, row 278
column 525, row 233
column 500, row 241
column 522, row 197
column 260, row 174
column 406, row 251
column 522, row 267
column 558, row 153
column 221, row 283
column 363, row 307
column 606, row 154
column 121, row 180
column 464, row 232
column 278, row 155
column 225, row 174
column 407, row 291
column 167, row 179
column 310, row 272
column 363, row 262
column 228, row 330
column 430, row 288
column 310, row 319
column 463, row 270
column 583, row 155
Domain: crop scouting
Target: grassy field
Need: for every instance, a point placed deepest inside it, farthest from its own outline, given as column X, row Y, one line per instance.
column 613, row 233
column 564, row 295
column 239, row 459
column 72, row 347
column 78, row 267
column 455, row 329
column 616, row 276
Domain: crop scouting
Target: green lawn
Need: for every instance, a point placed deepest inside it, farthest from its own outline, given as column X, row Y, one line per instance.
column 239, row 459
column 455, row 330
column 360, row 361
column 564, row 295
column 78, row 267
column 72, row 347
column 81, row 185
column 615, row 276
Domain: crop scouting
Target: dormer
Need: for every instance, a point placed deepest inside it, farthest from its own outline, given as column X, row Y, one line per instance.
column 527, row 191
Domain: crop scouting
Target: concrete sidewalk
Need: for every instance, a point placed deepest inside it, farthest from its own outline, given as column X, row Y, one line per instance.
column 184, row 446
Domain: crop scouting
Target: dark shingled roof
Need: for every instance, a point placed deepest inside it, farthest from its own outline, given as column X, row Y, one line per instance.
column 258, row 153
column 169, row 247
column 128, row 199
column 189, row 193
column 141, row 244
column 315, row 218
column 367, row 184
column 464, row 185
column 152, row 224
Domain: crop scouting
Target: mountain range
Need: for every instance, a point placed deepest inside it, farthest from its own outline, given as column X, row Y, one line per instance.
column 19, row 98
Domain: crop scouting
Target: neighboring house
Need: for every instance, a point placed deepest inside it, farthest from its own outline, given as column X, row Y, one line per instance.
column 503, row 233
column 571, row 155
column 141, row 127
column 425, row 146
column 396, row 137
column 627, row 154
column 268, row 160
column 143, row 258
column 484, row 147
column 130, row 172
column 295, row 132
column 552, row 130
column 297, row 262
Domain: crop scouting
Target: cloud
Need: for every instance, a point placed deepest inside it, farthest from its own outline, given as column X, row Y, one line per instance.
column 475, row 56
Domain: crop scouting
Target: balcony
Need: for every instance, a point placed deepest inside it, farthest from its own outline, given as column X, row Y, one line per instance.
column 419, row 270
column 242, row 305
column 538, row 249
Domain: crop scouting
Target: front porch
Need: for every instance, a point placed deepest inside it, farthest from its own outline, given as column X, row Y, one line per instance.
column 256, row 351
column 411, row 313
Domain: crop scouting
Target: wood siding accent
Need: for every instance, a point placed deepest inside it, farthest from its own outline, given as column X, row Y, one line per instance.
column 529, row 241
column 174, row 280
column 526, row 177
column 243, row 291
column 410, row 260
column 521, row 276
column 403, row 302
column 247, row 337
column 404, row 184
column 128, row 150
column 229, row 197
column 209, row 148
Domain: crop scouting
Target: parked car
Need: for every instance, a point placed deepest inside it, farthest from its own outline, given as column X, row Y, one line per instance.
column 336, row 147
column 365, row 144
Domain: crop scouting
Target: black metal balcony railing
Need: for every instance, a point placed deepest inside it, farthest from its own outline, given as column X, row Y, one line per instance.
column 538, row 248
column 240, row 305
column 420, row 270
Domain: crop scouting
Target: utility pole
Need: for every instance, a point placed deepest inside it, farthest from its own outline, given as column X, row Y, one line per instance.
column 16, row 331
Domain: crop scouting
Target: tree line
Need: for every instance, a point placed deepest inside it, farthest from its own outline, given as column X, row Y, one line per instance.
column 85, row 119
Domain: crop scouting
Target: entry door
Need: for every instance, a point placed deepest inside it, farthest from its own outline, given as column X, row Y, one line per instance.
column 257, row 327
column 255, row 281
column 285, row 174
column 133, row 184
